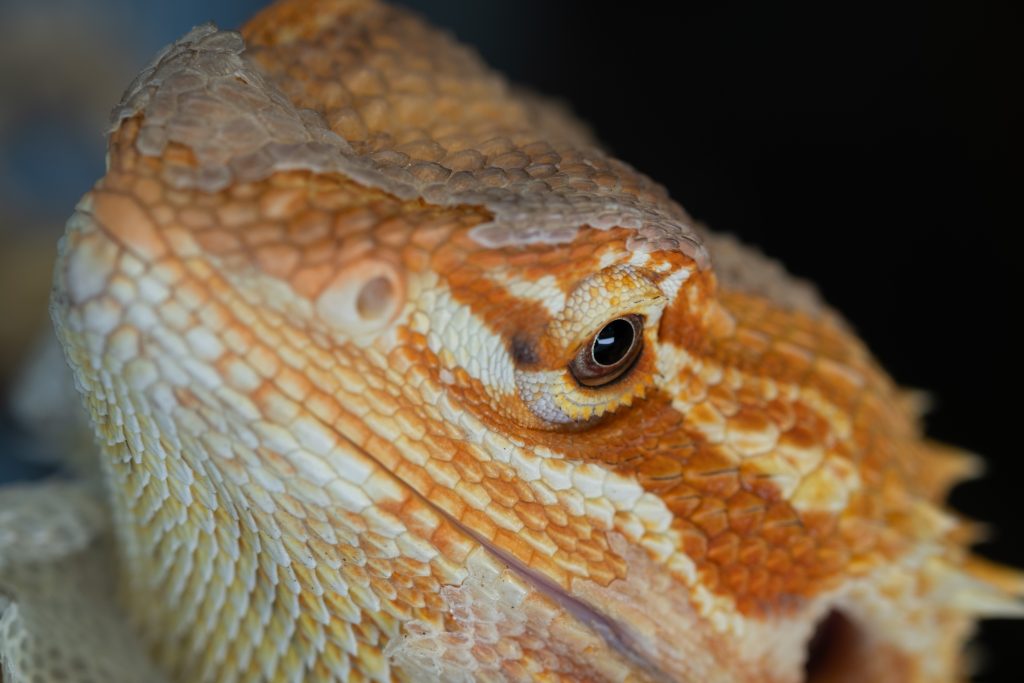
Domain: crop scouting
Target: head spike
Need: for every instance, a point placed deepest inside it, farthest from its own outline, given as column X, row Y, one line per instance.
column 947, row 467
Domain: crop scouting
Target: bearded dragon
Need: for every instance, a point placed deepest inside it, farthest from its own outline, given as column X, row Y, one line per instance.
column 398, row 376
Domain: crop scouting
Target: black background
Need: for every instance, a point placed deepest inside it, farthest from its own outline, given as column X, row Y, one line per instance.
column 874, row 149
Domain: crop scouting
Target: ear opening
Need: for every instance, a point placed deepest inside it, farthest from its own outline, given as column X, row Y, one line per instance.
column 843, row 649
column 833, row 650
column 363, row 298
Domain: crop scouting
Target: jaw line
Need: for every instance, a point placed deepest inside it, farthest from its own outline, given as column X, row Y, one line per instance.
column 615, row 634
column 612, row 632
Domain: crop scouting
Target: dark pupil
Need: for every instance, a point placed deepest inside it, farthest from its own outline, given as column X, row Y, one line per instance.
column 613, row 342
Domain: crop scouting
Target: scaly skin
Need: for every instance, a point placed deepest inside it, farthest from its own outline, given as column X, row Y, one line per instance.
column 327, row 356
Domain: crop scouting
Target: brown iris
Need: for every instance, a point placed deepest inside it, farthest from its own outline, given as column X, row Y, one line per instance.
column 610, row 353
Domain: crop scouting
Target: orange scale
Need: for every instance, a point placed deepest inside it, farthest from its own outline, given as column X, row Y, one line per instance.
column 694, row 542
column 572, row 563
column 753, row 551
column 785, row 362
column 368, row 638
column 859, row 535
column 781, row 413
column 356, row 222
column 708, row 576
column 313, row 614
column 831, row 561
column 533, row 515
column 758, row 581
column 480, row 523
column 724, row 549
column 802, row 549
column 600, row 572
column 616, row 564
column 664, row 469
column 796, row 581
column 377, row 548
column 308, row 227
column 752, row 428
column 219, row 241
column 584, row 531
column 174, row 154
column 384, row 589
column 277, row 260
column 563, row 537
column 723, row 399
column 736, row 577
column 282, row 202
column 746, row 516
column 392, row 233
column 754, row 392
column 323, row 251
column 711, row 517
column 704, row 458
column 780, row 534
column 682, row 499
column 501, row 492
column 505, row 517
column 331, row 192
column 593, row 550
column 721, row 483
column 485, row 656
column 468, row 467
column 776, row 584
column 412, row 602
column 546, row 566
column 820, row 525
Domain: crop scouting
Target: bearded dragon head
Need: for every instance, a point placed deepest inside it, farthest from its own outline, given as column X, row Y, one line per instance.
column 398, row 374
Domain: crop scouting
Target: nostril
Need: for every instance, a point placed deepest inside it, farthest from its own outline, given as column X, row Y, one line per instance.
column 831, row 648
column 375, row 298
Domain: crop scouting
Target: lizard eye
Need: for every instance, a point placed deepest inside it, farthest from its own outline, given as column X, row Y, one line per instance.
column 610, row 353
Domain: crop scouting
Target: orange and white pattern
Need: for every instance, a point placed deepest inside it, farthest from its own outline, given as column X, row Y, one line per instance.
column 335, row 312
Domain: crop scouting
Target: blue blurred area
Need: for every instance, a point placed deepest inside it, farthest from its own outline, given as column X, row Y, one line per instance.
column 161, row 22
column 19, row 457
column 51, row 134
column 55, row 159
column 63, row 66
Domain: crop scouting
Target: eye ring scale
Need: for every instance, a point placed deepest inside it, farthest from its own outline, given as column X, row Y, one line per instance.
column 610, row 353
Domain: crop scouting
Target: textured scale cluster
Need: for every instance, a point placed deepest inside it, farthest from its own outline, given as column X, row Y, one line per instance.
column 323, row 309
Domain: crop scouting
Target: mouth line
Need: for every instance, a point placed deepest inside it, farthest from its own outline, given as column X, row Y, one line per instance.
column 613, row 633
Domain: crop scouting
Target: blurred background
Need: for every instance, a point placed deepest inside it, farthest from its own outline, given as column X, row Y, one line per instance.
column 875, row 149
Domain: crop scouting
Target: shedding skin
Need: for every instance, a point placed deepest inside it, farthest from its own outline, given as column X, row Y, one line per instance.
column 322, row 310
